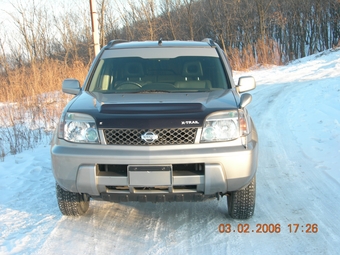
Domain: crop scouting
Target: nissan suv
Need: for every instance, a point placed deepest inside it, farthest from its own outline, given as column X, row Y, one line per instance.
column 157, row 121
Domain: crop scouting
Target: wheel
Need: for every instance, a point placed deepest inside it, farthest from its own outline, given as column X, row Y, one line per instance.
column 128, row 85
column 241, row 203
column 71, row 203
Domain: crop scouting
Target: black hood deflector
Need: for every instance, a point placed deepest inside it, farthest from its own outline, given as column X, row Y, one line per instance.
column 164, row 108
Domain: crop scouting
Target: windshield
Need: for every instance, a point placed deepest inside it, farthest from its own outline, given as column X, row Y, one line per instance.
column 158, row 75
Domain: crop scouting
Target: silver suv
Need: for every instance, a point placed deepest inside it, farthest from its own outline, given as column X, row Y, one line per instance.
column 157, row 121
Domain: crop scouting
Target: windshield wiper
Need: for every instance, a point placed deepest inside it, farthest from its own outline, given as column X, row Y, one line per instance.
column 152, row 91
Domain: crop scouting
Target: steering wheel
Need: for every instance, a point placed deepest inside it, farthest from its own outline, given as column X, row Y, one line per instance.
column 127, row 83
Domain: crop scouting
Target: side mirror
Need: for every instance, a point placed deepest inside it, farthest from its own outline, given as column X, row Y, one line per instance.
column 245, row 83
column 71, row 86
column 245, row 100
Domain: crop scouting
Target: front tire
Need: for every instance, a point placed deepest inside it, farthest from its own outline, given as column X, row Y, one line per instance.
column 71, row 203
column 241, row 203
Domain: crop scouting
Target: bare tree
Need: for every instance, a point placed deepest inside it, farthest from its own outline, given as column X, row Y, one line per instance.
column 148, row 9
column 169, row 9
column 74, row 31
column 4, row 62
column 188, row 4
column 34, row 27
column 262, row 7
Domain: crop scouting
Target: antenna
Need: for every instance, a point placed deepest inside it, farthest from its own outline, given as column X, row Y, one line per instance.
column 160, row 41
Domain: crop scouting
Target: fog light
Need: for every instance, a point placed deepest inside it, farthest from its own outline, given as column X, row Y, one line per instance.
column 91, row 135
column 209, row 134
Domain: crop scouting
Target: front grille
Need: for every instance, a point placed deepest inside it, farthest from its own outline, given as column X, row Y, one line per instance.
column 172, row 136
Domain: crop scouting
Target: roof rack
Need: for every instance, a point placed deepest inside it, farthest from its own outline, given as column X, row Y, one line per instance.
column 113, row 42
column 209, row 41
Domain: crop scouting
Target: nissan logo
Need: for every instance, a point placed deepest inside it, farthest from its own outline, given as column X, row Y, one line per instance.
column 149, row 137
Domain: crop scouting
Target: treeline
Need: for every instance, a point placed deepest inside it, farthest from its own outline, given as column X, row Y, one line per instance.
column 250, row 31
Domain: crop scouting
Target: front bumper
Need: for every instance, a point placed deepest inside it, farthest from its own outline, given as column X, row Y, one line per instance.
column 226, row 166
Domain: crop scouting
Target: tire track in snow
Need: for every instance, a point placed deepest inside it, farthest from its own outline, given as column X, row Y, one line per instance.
column 285, row 170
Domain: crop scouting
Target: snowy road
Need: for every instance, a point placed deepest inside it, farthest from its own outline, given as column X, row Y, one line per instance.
column 296, row 109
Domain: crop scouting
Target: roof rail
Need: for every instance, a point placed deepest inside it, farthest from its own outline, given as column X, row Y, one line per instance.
column 113, row 42
column 209, row 41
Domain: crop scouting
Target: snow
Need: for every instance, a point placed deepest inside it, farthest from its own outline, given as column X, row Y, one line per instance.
column 296, row 109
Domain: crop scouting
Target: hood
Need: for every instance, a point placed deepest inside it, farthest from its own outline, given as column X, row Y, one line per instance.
column 152, row 110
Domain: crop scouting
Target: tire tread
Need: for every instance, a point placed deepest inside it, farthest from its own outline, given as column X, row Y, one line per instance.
column 241, row 203
column 71, row 203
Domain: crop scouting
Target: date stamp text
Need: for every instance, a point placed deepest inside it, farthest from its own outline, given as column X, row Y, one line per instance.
column 309, row 228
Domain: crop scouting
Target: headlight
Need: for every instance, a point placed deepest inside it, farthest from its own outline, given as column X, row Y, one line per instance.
column 224, row 126
column 78, row 128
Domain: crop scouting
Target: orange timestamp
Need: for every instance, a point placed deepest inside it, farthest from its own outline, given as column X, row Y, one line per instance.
column 309, row 228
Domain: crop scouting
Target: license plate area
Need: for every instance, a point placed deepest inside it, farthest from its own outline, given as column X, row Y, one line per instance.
column 149, row 176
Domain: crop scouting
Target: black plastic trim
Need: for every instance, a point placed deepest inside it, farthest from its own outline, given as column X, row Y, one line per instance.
column 171, row 197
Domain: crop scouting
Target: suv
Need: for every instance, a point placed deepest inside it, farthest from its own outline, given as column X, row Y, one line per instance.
column 157, row 121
